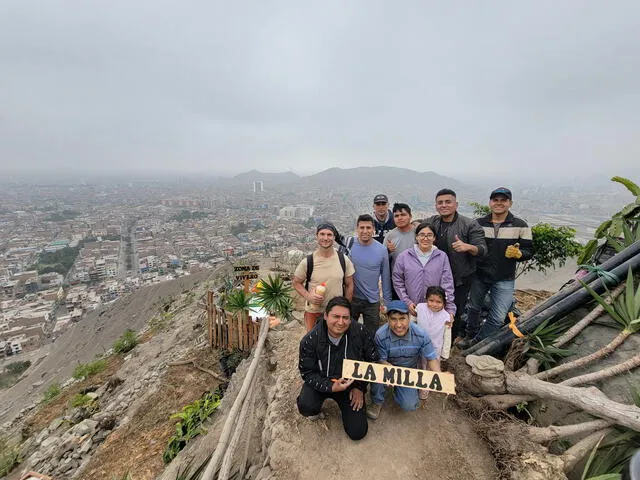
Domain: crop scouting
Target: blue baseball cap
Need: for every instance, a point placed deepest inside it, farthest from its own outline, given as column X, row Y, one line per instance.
column 504, row 191
column 397, row 306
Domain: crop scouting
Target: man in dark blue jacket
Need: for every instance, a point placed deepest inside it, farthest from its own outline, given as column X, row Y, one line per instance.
column 509, row 241
column 322, row 350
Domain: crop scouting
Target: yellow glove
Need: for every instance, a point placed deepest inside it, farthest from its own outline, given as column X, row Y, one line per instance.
column 513, row 251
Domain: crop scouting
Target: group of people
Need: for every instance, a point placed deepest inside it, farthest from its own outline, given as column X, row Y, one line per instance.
column 427, row 273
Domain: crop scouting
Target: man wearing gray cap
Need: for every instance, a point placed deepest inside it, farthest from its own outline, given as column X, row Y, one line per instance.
column 509, row 241
column 382, row 216
column 324, row 274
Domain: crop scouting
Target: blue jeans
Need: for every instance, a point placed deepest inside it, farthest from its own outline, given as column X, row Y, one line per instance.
column 500, row 298
column 406, row 397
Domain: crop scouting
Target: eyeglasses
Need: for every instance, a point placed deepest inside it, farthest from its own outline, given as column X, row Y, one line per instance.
column 425, row 235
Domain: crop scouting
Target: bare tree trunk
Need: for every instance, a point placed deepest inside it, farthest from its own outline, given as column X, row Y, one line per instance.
column 576, row 453
column 533, row 365
column 581, row 362
column 557, row 432
column 506, row 400
column 591, row 400
column 612, row 371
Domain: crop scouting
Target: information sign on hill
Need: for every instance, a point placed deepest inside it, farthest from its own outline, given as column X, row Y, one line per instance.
column 441, row 382
column 246, row 272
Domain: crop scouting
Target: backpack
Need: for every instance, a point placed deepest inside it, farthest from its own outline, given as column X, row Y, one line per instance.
column 343, row 264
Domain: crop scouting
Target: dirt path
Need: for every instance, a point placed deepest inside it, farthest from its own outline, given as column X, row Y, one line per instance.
column 436, row 441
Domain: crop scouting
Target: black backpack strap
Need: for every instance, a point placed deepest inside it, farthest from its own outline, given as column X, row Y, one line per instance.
column 343, row 264
column 309, row 270
column 349, row 246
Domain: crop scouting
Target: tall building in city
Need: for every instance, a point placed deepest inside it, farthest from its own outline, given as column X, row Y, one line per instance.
column 258, row 186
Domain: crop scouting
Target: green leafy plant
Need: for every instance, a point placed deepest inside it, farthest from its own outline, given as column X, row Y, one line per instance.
column 86, row 370
column 80, row 400
column 479, row 210
column 622, row 229
column 541, row 342
column 275, row 296
column 52, row 392
column 126, row 342
column 552, row 246
column 191, row 418
column 238, row 300
column 9, row 456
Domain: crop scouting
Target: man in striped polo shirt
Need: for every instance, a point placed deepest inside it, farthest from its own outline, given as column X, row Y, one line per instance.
column 509, row 241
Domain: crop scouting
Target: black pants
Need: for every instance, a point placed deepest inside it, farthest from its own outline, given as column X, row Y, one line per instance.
column 370, row 314
column 461, row 294
column 354, row 422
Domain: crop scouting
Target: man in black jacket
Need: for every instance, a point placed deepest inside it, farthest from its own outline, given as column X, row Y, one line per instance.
column 462, row 239
column 321, row 353
column 509, row 240
column 382, row 216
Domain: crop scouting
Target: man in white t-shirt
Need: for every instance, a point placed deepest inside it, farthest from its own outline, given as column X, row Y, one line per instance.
column 333, row 270
column 400, row 238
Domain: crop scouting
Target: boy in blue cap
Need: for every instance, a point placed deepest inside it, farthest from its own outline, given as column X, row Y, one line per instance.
column 402, row 343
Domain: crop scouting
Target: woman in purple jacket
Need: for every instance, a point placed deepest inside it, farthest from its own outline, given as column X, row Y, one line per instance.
column 421, row 267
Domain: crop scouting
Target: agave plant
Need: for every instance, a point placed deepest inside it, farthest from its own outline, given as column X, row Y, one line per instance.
column 541, row 343
column 238, row 300
column 275, row 296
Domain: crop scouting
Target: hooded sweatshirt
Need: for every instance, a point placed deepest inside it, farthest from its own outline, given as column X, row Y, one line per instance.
column 411, row 279
column 320, row 360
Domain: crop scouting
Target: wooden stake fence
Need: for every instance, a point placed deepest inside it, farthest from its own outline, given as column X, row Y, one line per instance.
column 227, row 330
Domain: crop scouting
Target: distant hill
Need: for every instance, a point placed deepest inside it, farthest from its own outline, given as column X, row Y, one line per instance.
column 341, row 177
column 277, row 178
column 381, row 176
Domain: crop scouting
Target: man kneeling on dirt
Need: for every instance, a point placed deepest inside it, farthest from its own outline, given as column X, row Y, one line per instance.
column 322, row 350
column 401, row 343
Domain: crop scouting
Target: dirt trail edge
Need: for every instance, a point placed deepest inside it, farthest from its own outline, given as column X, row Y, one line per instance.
column 436, row 441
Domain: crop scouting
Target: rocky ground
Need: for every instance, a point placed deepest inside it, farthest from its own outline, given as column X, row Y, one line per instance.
column 126, row 426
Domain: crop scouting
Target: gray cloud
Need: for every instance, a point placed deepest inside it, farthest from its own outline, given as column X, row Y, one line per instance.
column 465, row 87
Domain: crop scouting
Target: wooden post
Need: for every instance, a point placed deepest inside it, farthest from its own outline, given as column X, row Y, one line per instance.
column 210, row 316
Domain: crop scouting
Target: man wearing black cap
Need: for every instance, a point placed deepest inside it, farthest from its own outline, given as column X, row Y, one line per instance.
column 509, row 240
column 324, row 274
column 382, row 216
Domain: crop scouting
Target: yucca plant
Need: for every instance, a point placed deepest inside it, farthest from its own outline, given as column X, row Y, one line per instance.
column 625, row 311
column 275, row 296
column 238, row 301
column 541, row 343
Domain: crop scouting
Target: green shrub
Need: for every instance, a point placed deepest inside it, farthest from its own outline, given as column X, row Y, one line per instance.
column 9, row 457
column 80, row 400
column 17, row 368
column 191, row 417
column 126, row 342
column 52, row 392
column 86, row 370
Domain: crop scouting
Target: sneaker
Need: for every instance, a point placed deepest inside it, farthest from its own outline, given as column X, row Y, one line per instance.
column 319, row 416
column 373, row 410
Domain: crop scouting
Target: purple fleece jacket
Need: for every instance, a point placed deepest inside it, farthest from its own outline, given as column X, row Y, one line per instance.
column 411, row 279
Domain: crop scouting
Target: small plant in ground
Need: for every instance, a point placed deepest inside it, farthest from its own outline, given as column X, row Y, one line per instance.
column 126, row 342
column 9, row 457
column 80, row 400
column 86, row 370
column 230, row 360
column 541, row 340
column 191, row 417
column 52, row 392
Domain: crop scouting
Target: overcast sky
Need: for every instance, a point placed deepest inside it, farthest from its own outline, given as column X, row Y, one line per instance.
column 460, row 88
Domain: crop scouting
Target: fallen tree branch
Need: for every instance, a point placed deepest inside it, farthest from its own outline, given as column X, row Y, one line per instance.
column 533, row 364
column 611, row 371
column 591, row 400
column 577, row 452
column 557, row 432
column 230, row 422
column 193, row 363
column 582, row 361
